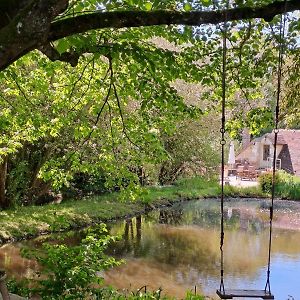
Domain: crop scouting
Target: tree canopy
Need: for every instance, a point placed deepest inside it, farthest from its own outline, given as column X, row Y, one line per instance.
column 92, row 93
column 34, row 24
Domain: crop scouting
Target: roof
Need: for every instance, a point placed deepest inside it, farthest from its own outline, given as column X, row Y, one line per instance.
column 292, row 139
column 289, row 137
column 280, row 137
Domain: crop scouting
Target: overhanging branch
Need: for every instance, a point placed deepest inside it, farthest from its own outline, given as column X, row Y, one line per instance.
column 70, row 57
column 33, row 27
column 121, row 19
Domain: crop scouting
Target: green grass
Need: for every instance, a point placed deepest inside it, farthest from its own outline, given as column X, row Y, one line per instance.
column 25, row 222
column 191, row 188
column 288, row 186
column 31, row 221
column 244, row 192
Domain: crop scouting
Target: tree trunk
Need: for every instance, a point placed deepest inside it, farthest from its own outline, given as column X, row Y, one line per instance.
column 4, row 201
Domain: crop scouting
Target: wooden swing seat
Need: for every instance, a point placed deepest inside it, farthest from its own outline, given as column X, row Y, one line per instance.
column 230, row 294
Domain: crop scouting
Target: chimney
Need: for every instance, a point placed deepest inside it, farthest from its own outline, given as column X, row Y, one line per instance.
column 246, row 139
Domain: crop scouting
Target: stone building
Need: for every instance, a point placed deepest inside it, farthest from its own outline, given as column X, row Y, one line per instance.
column 259, row 151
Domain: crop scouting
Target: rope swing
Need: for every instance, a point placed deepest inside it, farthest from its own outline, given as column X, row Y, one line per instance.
column 276, row 131
column 266, row 293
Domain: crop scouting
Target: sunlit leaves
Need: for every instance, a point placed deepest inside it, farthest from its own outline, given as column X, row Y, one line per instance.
column 187, row 7
column 206, row 2
column 289, row 106
column 148, row 5
column 62, row 46
column 112, row 112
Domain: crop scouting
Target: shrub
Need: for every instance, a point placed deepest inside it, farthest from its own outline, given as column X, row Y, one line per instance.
column 287, row 186
column 73, row 272
column 111, row 294
column 265, row 181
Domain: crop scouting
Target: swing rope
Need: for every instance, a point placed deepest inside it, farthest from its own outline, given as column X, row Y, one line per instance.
column 276, row 131
column 223, row 142
column 267, row 291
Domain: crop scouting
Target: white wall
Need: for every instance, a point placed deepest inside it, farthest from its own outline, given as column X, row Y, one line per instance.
column 254, row 153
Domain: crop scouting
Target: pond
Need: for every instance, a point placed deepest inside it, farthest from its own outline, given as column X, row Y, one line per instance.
column 177, row 248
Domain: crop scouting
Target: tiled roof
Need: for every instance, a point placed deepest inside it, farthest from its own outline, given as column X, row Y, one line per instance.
column 289, row 137
column 292, row 139
column 280, row 137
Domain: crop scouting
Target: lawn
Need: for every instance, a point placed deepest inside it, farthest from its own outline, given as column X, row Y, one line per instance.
column 31, row 221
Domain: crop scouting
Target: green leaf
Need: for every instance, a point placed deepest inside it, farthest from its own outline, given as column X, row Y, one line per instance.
column 62, row 46
column 148, row 5
column 187, row 7
column 206, row 2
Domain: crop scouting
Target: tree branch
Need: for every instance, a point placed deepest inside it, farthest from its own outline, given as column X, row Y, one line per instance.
column 31, row 25
column 121, row 19
column 70, row 57
column 28, row 29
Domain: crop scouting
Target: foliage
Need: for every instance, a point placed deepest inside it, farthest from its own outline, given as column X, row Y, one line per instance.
column 192, row 296
column 73, row 272
column 85, row 184
column 198, row 183
column 290, row 111
column 111, row 294
column 244, row 192
column 108, row 121
column 19, row 287
column 265, row 181
column 290, row 191
column 288, row 186
column 191, row 151
column 30, row 221
column 119, row 111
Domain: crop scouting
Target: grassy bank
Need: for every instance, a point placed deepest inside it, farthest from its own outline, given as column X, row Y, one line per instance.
column 31, row 221
column 287, row 187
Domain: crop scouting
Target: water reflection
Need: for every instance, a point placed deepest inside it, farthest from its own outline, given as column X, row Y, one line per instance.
column 177, row 248
column 172, row 217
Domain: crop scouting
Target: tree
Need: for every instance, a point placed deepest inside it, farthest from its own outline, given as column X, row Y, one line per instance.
column 34, row 24
column 193, row 149
column 290, row 108
column 99, row 117
column 106, row 98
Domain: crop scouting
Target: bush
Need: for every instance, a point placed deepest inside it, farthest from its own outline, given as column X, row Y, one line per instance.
column 73, row 272
column 111, row 294
column 265, row 181
column 243, row 192
column 287, row 186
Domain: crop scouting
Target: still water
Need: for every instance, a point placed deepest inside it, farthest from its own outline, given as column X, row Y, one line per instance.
column 177, row 248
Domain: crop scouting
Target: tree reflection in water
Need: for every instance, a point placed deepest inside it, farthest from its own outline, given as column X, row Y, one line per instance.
column 177, row 248
column 181, row 245
column 172, row 217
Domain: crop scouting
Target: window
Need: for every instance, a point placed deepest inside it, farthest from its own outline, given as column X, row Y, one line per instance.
column 278, row 163
column 266, row 152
